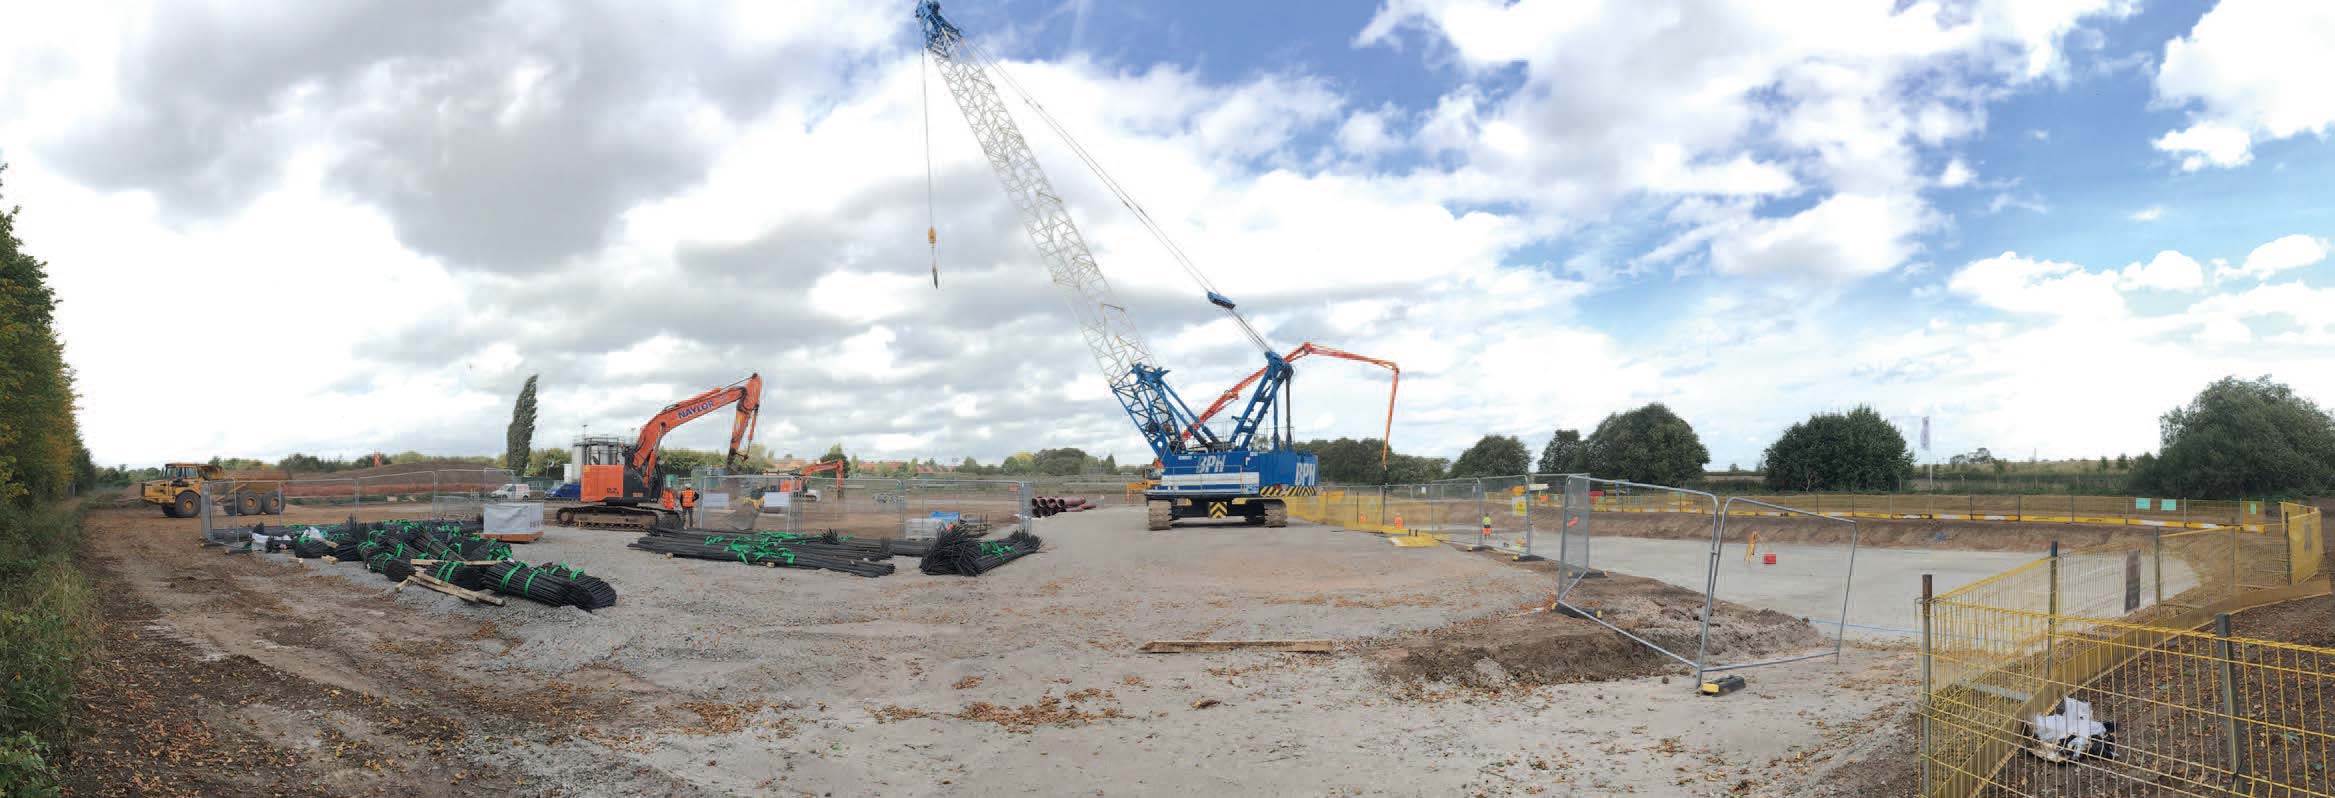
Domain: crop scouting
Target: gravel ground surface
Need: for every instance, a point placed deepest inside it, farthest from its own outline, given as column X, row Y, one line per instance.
column 712, row 678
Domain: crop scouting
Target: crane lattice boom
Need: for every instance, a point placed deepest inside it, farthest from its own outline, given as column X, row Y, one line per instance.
column 1110, row 335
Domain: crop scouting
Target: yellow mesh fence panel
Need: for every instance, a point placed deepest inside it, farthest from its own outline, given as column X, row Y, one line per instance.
column 2129, row 631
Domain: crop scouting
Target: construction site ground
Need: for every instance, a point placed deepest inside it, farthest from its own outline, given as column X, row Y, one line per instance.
column 261, row 674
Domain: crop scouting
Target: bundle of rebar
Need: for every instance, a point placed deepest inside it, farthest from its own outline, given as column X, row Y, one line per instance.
column 514, row 578
column 778, row 549
column 396, row 568
column 467, row 577
column 584, row 590
column 961, row 553
column 450, row 552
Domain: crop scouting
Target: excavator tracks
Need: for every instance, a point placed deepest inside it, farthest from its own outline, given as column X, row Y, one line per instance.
column 629, row 519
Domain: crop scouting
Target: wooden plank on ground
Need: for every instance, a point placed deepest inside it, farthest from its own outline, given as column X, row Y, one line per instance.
column 1206, row 646
column 442, row 586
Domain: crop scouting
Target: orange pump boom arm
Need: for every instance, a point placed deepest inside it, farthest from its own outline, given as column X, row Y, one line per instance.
column 1310, row 348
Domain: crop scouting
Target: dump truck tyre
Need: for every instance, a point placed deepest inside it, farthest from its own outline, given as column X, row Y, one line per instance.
column 1160, row 515
column 170, row 510
column 187, row 504
column 273, row 504
column 247, row 504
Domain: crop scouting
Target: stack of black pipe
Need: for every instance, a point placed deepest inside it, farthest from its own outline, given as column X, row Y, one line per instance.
column 959, row 552
column 909, row 548
column 770, row 548
column 1042, row 506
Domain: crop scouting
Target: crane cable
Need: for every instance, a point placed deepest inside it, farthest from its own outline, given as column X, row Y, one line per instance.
column 1176, row 253
column 931, row 227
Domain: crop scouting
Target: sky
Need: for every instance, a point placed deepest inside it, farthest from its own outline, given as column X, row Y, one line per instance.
column 340, row 227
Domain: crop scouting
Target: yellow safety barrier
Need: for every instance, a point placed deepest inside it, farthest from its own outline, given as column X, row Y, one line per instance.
column 2143, row 636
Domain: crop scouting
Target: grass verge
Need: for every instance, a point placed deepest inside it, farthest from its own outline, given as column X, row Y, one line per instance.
column 47, row 620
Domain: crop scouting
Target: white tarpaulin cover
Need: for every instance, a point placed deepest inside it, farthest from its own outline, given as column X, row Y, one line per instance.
column 520, row 519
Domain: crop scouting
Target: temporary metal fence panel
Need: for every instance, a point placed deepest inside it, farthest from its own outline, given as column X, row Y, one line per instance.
column 996, row 501
column 1711, row 590
column 1505, row 513
column 1614, row 495
column 1575, row 523
column 463, row 492
column 386, row 495
column 210, row 525
column 751, row 502
column 2143, row 635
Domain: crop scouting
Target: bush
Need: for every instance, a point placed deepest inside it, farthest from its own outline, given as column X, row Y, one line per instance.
column 1855, row 451
column 1650, row 445
column 24, row 770
column 45, row 618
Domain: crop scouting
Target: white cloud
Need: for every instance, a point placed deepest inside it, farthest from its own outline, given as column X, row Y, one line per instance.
column 2207, row 143
column 2005, row 200
column 2286, row 253
column 1713, row 100
column 1366, row 133
column 1846, row 235
column 2148, row 214
column 1956, row 175
column 2249, row 69
column 2016, row 284
column 2168, row 271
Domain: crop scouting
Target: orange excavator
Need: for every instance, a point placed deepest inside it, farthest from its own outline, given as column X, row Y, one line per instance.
column 623, row 492
column 1310, row 348
column 799, row 482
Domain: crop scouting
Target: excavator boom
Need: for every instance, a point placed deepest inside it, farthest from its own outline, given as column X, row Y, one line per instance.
column 746, row 394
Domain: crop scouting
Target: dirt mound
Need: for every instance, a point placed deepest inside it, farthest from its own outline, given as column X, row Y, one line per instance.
column 1530, row 648
column 1889, row 533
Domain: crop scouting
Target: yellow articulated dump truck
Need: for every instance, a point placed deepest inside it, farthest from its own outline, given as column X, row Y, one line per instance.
column 180, row 490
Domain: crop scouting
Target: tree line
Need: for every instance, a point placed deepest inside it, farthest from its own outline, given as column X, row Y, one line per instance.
column 2238, row 438
column 47, row 610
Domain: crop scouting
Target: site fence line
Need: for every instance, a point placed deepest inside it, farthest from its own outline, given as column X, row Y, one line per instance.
column 2143, row 635
column 861, row 506
column 436, row 494
column 2177, row 513
column 1513, row 514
